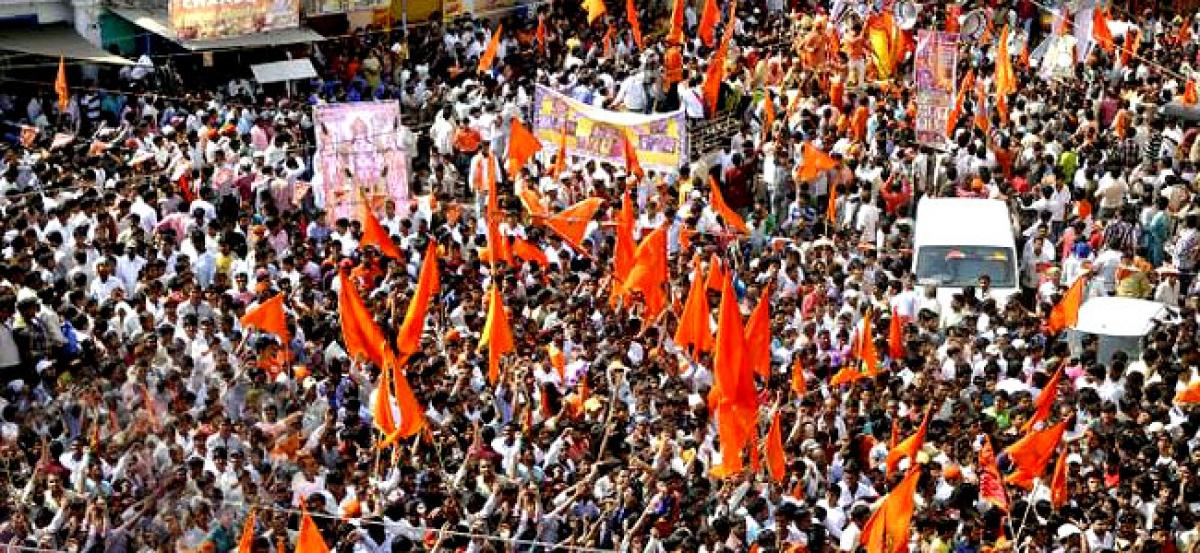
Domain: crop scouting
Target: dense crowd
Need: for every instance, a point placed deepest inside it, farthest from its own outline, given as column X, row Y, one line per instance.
column 141, row 412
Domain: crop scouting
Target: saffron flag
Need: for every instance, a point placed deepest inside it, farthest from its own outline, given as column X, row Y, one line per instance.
column 623, row 251
column 1005, row 78
column 373, row 233
column 758, row 336
column 60, row 86
column 866, row 346
column 799, row 384
column 522, row 145
column 269, row 317
column 246, row 542
column 498, row 247
column 675, row 34
column 381, row 409
column 768, row 115
column 412, row 416
column 532, row 202
column 540, row 35
column 694, row 330
column 560, row 158
column 728, row 215
column 635, row 27
column 1133, row 40
column 361, row 335
column 497, row 335
column 1189, row 93
column 529, row 252
column 814, row 162
column 776, row 461
column 572, row 223
column 709, row 17
column 489, row 55
column 308, row 539
column 1191, row 394
column 1032, row 453
column 632, row 165
column 595, row 9
column 1045, row 401
column 716, row 274
column 831, row 205
column 968, row 81
column 408, row 339
column 1058, row 482
column 1100, row 31
column 908, row 447
column 991, row 486
column 648, row 274
column 880, row 30
column 1065, row 313
column 896, row 337
column 887, row 530
column 733, row 391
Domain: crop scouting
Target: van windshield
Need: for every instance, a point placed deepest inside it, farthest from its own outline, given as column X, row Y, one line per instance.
column 958, row 266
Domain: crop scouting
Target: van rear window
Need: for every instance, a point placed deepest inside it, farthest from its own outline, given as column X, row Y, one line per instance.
column 957, row 266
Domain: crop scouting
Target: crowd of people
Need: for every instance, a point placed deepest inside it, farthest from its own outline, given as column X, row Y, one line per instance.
column 141, row 411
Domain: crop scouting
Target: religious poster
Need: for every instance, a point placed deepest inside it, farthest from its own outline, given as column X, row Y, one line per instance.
column 359, row 147
column 660, row 139
column 936, row 78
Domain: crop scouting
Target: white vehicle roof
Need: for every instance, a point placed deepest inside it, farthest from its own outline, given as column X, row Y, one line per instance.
column 1115, row 316
column 962, row 222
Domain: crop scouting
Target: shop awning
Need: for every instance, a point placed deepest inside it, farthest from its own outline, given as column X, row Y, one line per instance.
column 56, row 41
column 157, row 23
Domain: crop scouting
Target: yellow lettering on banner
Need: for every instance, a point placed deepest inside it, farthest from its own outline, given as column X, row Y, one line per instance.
column 583, row 127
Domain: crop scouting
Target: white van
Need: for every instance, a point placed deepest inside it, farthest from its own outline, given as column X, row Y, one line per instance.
column 957, row 240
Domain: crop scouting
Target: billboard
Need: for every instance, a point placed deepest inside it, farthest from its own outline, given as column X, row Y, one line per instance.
column 362, row 139
column 661, row 139
column 214, row 19
column 936, row 78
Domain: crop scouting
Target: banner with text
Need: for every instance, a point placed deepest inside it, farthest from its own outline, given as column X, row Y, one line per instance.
column 936, row 78
column 661, row 139
column 212, row 19
column 362, row 139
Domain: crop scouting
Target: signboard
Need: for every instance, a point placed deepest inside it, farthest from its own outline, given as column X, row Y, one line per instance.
column 936, row 78
column 453, row 9
column 661, row 139
column 364, row 139
column 213, row 19
column 287, row 70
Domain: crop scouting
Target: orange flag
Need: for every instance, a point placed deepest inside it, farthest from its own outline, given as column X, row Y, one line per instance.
column 408, row 339
column 532, row 203
column 489, row 55
column 632, row 165
column 373, row 233
column 1133, row 40
column 381, row 409
column 522, row 145
column 1032, row 453
column 269, row 317
column 1100, row 32
column 648, row 274
column 814, row 162
column 896, row 336
column 866, row 346
column 607, row 40
column 623, row 251
column 1185, row 32
column 776, row 461
column 1189, row 93
column 595, row 9
column 831, row 205
column 799, row 385
column 715, row 73
column 709, row 17
column 308, row 539
column 981, row 116
column 733, row 392
column 558, row 360
column 1191, row 394
column 635, row 27
column 1002, row 108
column 529, row 252
column 541, row 34
column 991, row 486
column 497, row 335
column 359, row 331
column 675, row 34
column 887, row 531
column 572, row 223
column 716, row 274
column 968, row 81
column 1058, row 482
column 498, row 246
column 758, row 336
column 1045, row 401
column 728, row 215
column 412, row 416
column 908, row 447
column 560, row 158
column 60, row 86
column 858, row 123
column 1005, row 78
column 246, row 542
column 1066, row 312
column 768, row 115
column 694, row 329
column 894, row 435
